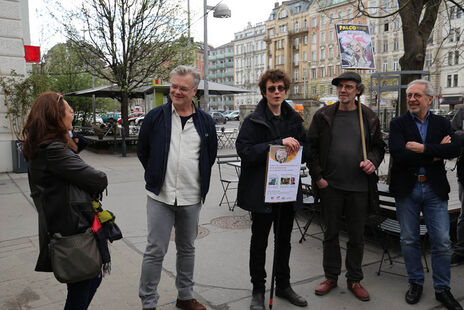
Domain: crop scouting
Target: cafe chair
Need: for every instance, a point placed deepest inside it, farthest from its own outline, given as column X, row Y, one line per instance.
column 228, row 175
column 311, row 206
column 391, row 228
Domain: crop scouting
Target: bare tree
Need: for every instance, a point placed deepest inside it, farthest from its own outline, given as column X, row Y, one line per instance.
column 136, row 40
column 418, row 19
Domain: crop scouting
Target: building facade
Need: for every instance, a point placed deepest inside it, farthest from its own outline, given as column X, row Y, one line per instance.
column 221, row 70
column 14, row 34
column 250, row 62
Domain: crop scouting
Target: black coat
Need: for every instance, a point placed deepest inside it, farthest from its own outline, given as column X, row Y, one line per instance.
column 61, row 186
column 406, row 163
column 253, row 141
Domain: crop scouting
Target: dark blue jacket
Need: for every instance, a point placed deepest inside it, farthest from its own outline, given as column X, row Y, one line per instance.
column 154, row 141
column 406, row 163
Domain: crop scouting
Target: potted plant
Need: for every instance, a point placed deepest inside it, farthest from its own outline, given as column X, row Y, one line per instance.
column 20, row 92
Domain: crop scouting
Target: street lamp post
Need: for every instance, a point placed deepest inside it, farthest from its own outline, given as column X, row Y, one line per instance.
column 220, row 11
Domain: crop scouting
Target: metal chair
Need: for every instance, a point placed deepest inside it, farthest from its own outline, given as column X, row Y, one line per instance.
column 391, row 227
column 228, row 177
column 310, row 205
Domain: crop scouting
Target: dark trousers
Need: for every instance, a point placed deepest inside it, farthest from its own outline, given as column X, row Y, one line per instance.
column 353, row 206
column 80, row 294
column 260, row 228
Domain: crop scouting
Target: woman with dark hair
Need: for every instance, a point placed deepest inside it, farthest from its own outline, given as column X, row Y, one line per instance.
column 62, row 184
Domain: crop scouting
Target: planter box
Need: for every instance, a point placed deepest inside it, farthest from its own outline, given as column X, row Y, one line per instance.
column 19, row 162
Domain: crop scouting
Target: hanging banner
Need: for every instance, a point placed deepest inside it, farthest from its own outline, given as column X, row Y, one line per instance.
column 32, row 53
column 355, row 46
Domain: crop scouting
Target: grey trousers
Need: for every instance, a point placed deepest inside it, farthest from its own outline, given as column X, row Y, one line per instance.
column 160, row 220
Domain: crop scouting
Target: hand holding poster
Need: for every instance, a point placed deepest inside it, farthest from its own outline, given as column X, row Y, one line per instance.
column 355, row 46
column 283, row 174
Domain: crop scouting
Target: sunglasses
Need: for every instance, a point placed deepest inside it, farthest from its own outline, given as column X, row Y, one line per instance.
column 272, row 89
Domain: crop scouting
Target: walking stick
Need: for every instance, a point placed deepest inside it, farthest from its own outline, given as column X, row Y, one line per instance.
column 276, row 237
column 361, row 127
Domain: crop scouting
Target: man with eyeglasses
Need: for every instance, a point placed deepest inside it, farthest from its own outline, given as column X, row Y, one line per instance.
column 274, row 122
column 419, row 141
column 341, row 177
column 177, row 147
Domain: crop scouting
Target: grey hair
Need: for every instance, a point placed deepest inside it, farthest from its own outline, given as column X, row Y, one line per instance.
column 184, row 70
column 429, row 91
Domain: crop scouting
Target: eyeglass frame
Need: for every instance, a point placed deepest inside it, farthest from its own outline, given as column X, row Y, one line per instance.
column 181, row 88
column 273, row 88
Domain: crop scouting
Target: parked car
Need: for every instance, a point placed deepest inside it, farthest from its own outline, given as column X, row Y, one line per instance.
column 132, row 117
column 234, row 115
column 218, row 117
column 110, row 115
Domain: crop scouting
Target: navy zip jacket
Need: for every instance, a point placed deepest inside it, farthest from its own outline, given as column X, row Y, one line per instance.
column 406, row 163
column 154, row 141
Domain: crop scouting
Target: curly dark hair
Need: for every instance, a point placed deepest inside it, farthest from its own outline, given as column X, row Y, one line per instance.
column 45, row 123
column 275, row 75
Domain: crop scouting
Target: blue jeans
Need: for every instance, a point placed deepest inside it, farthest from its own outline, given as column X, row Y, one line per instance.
column 435, row 212
column 459, row 246
column 80, row 294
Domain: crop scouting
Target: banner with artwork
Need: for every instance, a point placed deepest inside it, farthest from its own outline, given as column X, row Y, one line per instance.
column 355, row 46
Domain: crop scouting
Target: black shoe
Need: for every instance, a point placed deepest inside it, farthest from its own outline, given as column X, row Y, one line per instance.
column 257, row 301
column 456, row 260
column 289, row 294
column 414, row 293
column 447, row 299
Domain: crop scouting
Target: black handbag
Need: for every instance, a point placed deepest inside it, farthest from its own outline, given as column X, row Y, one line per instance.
column 76, row 257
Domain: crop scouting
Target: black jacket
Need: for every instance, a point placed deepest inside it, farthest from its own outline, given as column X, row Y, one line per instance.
column 406, row 163
column 155, row 138
column 252, row 144
column 61, row 186
column 320, row 137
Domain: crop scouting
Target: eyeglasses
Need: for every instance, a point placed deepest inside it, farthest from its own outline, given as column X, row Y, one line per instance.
column 181, row 88
column 416, row 96
column 60, row 96
column 272, row 89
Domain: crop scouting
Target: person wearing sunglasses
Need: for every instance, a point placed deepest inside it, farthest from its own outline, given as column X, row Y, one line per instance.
column 342, row 178
column 62, row 185
column 274, row 122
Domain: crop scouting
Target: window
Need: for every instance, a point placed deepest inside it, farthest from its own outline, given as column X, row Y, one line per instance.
column 451, row 35
column 305, row 40
column 305, row 56
column 314, row 22
column 428, row 60
column 385, row 65
column 269, row 63
column 372, row 28
column 448, row 82
column 322, row 56
column 297, row 43
column 295, row 76
column 297, row 27
column 452, row 10
column 298, row 9
column 395, row 44
column 313, row 56
column 329, row 71
column 456, row 57
column 331, row 52
column 314, row 38
column 305, row 24
column 385, row 27
column 349, row 13
column 450, row 58
column 455, row 80
column 457, row 31
column 331, row 36
column 321, row 72
column 323, row 20
column 385, row 45
column 395, row 65
column 458, row 13
column 313, row 90
column 396, row 24
column 296, row 59
column 271, row 32
column 283, row 14
column 313, row 73
column 283, row 28
column 296, row 90
column 322, row 37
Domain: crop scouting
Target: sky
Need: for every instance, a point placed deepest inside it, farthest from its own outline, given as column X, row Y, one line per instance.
column 220, row 31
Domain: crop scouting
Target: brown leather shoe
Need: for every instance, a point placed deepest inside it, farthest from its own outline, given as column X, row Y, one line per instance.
column 325, row 287
column 359, row 291
column 189, row 304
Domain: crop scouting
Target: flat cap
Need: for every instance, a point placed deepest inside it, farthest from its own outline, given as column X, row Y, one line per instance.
column 347, row 76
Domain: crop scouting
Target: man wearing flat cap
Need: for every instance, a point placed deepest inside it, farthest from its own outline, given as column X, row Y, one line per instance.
column 341, row 174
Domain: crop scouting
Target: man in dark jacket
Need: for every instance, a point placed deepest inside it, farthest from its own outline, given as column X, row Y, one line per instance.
column 177, row 146
column 274, row 122
column 419, row 141
column 341, row 178
column 457, row 124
